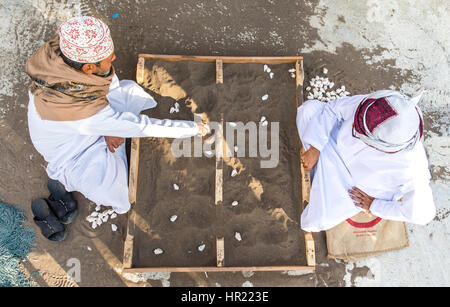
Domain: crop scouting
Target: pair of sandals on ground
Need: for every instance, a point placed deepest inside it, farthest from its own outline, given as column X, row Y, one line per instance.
column 53, row 213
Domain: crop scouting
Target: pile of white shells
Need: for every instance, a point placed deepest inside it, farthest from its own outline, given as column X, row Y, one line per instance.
column 96, row 218
column 321, row 88
column 175, row 108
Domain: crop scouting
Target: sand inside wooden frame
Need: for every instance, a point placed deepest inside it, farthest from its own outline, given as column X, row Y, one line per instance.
column 268, row 213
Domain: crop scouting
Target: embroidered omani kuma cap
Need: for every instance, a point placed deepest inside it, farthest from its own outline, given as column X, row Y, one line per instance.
column 388, row 121
column 85, row 39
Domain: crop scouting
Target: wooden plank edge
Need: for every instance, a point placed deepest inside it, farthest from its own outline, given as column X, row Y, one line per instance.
column 220, row 246
column 225, row 59
column 219, row 71
column 310, row 249
column 134, row 167
column 127, row 261
column 220, row 269
column 140, row 70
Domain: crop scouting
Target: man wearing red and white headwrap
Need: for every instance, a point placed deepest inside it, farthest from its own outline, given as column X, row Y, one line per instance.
column 79, row 113
column 365, row 154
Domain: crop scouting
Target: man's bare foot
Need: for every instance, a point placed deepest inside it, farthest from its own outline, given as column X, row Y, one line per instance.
column 310, row 158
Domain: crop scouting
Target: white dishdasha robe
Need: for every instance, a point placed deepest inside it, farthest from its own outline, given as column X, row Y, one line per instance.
column 399, row 182
column 77, row 153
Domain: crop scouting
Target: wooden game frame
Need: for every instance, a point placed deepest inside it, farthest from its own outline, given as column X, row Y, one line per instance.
column 134, row 166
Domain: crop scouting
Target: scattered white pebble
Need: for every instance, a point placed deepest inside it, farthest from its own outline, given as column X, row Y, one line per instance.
column 95, row 213
column 209, row 153
column 268, row 70
column 105, row 218
column 292, row 75
column 238, row 237
column 173, row 218
column 263, row 118
column 177, row 106
column 158, row 251
column 235, row 203
column 291, row 70
column 265, row 67
column 97, row 208
column 265, row 97
column 202, row 247
column 271, row 75
column 236, row 149
column 325, row 71
column 113, row 227
column 176, row 187
column 265, row 123
column 94, row 225
column 89, row 248
column 113, row 216
column 172, row 110
column 234, row 173
column 308, row 88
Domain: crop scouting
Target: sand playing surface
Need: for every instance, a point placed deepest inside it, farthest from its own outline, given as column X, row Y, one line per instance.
column 269, row 198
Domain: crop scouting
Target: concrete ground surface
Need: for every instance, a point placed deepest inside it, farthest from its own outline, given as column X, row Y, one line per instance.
column 366, row 45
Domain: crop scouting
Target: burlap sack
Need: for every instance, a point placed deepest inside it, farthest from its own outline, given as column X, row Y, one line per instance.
column 365, row 235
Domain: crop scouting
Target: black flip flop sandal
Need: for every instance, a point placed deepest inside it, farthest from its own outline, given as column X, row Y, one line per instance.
column 62, row 202
column 50, row 227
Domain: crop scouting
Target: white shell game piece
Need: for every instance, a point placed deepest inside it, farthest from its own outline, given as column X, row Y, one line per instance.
column 172, row 110
column 94, row 225
column 235, row 203
column 158, row 251
column 97, row 208
column 268, row 69
column 176, row 187
column 325, row 71
column 263, row 118
column 173, row 218
column 271, row 75
column 113, row 227
column 265, row 67
column 89, row 248
column 265, row 97
column 201, row 248
column 208, row 153
column 95, row 213
column 177, row 105
column 113, row 216
column 236, row 149
column 238, row 237
column 292, row 75
column 234, row 173
column 105, row 218
column 291, row 70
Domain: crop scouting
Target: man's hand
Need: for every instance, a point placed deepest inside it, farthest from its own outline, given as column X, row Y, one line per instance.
column 203, row 129
column 361, row 199
column 113, row 142
column 310, row 158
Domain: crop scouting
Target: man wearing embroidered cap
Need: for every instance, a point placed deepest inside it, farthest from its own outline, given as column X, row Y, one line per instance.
column 366, row 155
column 79, row 109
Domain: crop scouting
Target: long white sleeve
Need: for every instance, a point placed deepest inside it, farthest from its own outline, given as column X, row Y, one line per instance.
column 415, row 206
column 109, row 122
column 319, row 129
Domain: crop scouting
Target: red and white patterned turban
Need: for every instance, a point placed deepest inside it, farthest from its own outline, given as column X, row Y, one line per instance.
column 85, row 39
column 388, row 121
